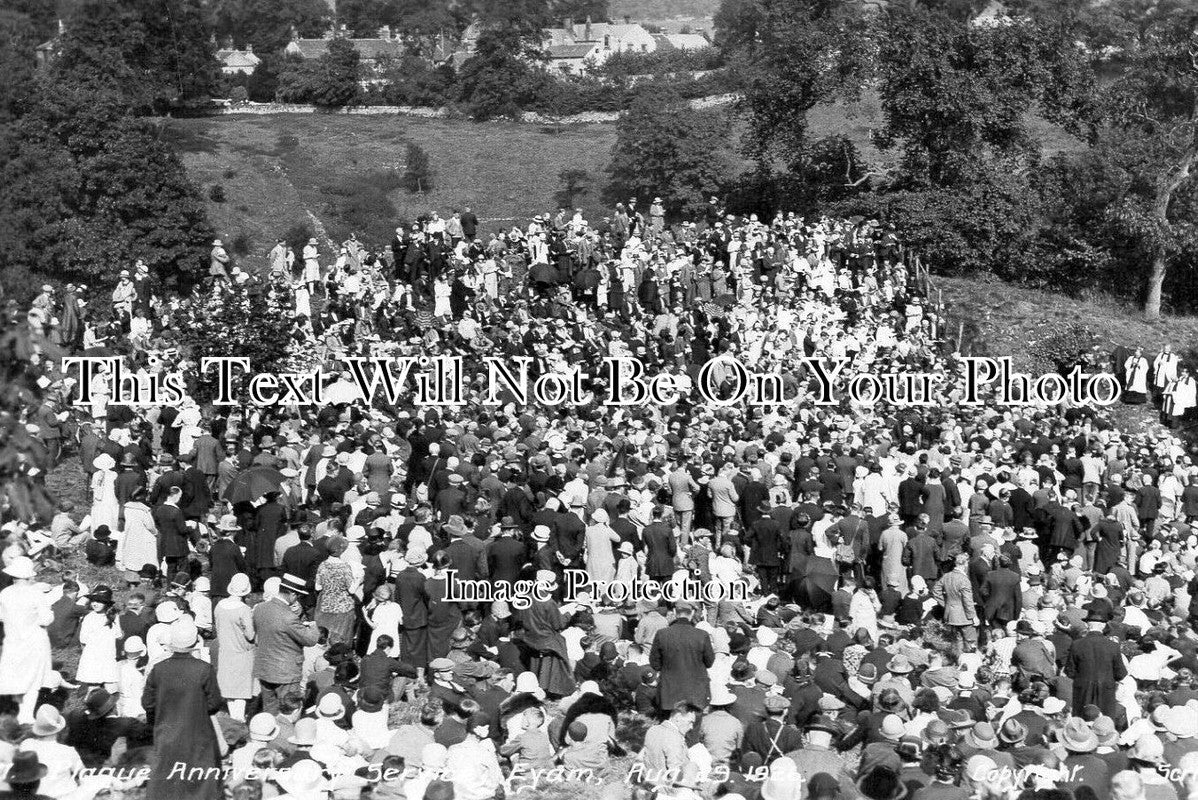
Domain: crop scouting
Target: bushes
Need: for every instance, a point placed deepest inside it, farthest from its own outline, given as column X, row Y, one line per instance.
column 1062, row 350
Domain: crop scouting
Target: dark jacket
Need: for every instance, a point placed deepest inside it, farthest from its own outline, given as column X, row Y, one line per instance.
column 681, row 654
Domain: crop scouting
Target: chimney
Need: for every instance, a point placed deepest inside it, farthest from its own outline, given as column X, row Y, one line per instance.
column 627, row 19
column 294, row 34
column 385, row 32
column 62, row 27
column 249, row 48
column 587, row 33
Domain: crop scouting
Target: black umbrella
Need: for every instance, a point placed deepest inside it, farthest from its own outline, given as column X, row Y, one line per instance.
column 253, row 483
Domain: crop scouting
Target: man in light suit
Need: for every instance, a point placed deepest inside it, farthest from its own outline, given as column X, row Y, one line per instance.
column 682, row 491
column 665, row 753
column 955, row 594
column 281, row 639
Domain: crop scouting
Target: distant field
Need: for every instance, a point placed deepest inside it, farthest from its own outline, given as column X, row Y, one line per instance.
column 345, row 170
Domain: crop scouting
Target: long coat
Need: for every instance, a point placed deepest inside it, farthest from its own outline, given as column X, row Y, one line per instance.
column 681, row 654
column 139, row 544
column 1095, row 664
column 226, row 560
column 234, row 623
column 543, row 625
column 180, row 696
column 1002, row 597
column 282, row 638
column 954, row 592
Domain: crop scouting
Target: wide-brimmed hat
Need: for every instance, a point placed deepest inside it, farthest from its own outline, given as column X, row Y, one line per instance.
column 304, row 734
column 981, row 736
column 330, row 706
column 167, row 612
column 1013, row 732
column 899, row 665
column 239, row 585
column 183, row 635
column 21, row 568
column 99, row 702
column 456, row 527
column 25, row 769
column 892, row 727
column 228, row 522
column 103, row 461
column 784, row 781
column 1078, row 737
column 540, row 533
column 263, row 727
column 128, row 460
column 304, row 779
column 48, row 721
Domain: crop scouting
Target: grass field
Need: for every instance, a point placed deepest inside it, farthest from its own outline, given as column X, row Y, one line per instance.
column 345, row 169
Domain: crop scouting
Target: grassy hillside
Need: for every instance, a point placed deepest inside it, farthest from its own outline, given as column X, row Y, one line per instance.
column 345, row 171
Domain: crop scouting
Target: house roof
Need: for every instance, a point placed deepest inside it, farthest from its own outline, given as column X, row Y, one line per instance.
column 367, row 48
column 238, row 58
column 687, row 41
column 578, row 32
column 581, row 50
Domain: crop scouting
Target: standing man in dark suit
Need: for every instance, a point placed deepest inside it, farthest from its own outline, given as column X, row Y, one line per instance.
column 764, row 540
column 682, row 654
column 1002, row 597
column 413, row 601
column 173, row 532
column 661, row 547
column 301, row 560
column 506, row 555
column 270, row 522
column 1095, row 663
column 910, row 497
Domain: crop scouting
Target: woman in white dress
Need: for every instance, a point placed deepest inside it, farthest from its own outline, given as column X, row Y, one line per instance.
column 441, row 291
column 105, row 508
column 384, row 616
column 234, row 625
column 138, row 546
column 98, row 634
column 25, row 658
column 311, row 264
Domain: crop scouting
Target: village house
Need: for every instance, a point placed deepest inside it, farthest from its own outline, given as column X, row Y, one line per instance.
column 577, row 47
column 238, row 62
column 372, row 51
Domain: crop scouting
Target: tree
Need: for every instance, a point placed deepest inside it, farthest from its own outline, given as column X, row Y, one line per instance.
column 268, row 24
column 664, row 147
column 575, row 184
column 418, row 171
column 18, row 39
column 89, row 188
column 331, row 80
column 952, row 92
column 791, row 55
column 497, row 81
column 1148, row 117
column 153, row 52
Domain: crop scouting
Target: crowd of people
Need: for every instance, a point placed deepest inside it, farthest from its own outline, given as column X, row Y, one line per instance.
column 940, row 601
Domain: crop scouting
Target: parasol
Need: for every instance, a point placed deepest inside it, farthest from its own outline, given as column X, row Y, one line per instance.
column 342, row 392
column 253, row 483
column 818, row 584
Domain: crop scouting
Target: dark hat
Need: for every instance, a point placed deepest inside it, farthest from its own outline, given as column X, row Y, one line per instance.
column 99, row 702
column 822, row 784
column 867, row 673
column 128, row 459
column 821, row 722
column 26, row 768
column 371, row 699
column 101, row 533
column 101, row 594
column 508, row 523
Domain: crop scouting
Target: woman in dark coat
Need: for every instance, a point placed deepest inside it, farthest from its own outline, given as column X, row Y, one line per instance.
column 180, row 697
column 226, row 560
column 444, row 617
column 543, row 624
column 1110, row 545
